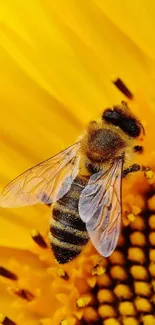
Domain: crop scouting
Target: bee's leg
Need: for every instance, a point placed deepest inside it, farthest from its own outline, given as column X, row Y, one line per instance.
column 132, row 169
column 92, row 169
column 135, row 168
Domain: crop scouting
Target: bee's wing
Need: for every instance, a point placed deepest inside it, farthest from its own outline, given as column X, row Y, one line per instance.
column 46, row 182
column 100, row 208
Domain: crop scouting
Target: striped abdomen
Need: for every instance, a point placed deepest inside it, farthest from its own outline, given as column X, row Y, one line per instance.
column 68, row 233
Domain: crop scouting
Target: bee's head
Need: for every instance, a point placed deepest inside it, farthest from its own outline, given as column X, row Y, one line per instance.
column 122, row 117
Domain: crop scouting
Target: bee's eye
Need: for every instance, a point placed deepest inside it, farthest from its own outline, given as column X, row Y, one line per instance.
column 124, row 120
column 111, row 116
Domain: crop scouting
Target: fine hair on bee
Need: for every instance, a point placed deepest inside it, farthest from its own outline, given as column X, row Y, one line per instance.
column 115, row 134
column 83, row 184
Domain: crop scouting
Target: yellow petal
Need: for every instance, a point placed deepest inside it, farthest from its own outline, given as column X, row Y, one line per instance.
column 58, row 62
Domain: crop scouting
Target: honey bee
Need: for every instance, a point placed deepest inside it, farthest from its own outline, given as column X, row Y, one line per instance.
column 83, row 185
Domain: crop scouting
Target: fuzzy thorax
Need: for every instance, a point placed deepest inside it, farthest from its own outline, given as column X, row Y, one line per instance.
column 103, row 142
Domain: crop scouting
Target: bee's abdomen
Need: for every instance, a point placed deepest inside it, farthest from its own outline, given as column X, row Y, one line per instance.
column 68, row 233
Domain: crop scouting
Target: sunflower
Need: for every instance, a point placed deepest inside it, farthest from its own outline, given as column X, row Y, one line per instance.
column 61, row 63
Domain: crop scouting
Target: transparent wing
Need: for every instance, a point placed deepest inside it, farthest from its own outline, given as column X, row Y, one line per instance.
column 46, row 182
column 100, row 208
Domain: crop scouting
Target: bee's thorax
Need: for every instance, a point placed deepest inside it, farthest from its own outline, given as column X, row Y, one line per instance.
column 104, row 144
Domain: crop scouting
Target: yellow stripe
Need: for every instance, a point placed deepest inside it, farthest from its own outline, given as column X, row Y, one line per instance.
column 64, row 209
column 68, row 229
column 75, row 194
column 59, row 243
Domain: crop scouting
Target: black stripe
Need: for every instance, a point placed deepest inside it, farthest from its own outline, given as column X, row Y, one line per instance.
column 71, row 199
column 64, row 255
column 68, row 237
column 68, row 219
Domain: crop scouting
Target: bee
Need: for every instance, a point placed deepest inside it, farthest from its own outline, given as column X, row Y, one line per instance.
column 83, row 184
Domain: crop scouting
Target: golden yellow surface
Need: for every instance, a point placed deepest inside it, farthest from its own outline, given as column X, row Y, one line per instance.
column 57, row 63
